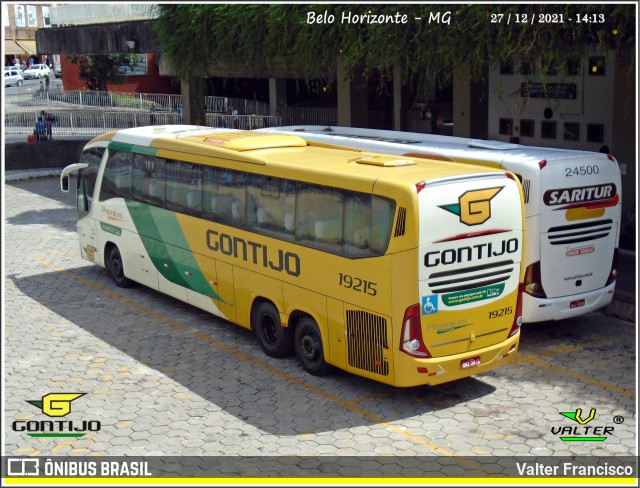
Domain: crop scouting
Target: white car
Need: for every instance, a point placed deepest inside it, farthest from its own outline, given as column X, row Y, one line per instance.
column 13, row 76
column 37, row 71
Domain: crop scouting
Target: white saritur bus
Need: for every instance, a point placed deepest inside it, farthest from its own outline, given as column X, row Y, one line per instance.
column 572, row 204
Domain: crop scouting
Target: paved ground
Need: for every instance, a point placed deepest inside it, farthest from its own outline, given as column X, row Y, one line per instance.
column 164, row 378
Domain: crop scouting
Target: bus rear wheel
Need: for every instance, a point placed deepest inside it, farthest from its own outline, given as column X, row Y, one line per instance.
column 274, row 339
column 116, row 268
column 309, row 350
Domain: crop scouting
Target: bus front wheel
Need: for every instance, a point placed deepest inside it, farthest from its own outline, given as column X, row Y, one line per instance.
column 274, row 339
column 116, row 268
column 309, row 350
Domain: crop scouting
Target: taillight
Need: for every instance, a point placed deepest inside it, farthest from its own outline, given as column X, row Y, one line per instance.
column 614, row 268
column 517, row 319
column 542, row 163
column 533, row 281
column 411, row 336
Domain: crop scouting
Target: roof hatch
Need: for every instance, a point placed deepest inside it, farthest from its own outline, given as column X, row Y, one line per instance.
column 389, row 161
column 248, row 141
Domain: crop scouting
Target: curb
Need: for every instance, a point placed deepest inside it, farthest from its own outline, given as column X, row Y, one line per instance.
column 623, row 307
column 26, row 175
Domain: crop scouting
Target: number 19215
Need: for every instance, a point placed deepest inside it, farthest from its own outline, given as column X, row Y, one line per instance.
column 358, row 284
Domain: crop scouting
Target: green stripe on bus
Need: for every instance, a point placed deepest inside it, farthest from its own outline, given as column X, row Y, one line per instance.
column 168, row 249
column 123, row 146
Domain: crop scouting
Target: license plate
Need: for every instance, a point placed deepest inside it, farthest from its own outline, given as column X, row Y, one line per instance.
column 577, row 303
column 470, row 362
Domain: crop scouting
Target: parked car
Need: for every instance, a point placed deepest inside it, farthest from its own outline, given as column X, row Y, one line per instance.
column 57, row 72
column 37, row 71
column 15, row 67
column 13, row 76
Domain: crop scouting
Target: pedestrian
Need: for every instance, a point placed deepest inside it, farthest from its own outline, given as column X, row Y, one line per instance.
column 49, row 120
column 227, row 116
column 40, row 130
column 179, row 109
column 234, row 116
column 46, row 83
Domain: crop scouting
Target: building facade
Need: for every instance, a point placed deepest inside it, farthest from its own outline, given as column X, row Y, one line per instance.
column 20, row 22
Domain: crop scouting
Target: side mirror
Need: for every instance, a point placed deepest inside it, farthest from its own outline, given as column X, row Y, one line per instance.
column 64, row 183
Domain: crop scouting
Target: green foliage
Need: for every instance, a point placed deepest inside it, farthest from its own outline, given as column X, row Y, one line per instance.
column 256, row 36
column 97, row 70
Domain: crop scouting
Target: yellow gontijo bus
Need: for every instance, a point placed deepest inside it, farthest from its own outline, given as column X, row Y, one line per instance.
column 404, row 271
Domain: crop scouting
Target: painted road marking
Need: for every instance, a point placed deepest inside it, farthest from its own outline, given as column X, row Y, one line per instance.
column 346, row 404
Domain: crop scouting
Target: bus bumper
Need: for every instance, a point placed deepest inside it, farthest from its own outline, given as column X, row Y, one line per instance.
column 542, row 309
column 434, row 371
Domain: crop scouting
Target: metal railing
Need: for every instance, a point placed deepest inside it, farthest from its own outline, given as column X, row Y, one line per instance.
column 90, row 123
column 309, row 115
column 244, row 106
column 91, row 113
column 96, row 100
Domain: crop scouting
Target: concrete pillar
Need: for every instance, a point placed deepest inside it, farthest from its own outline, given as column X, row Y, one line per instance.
column 625, row 130
column 277, row 94
column 192, row 91
column 353, row 104
column 461, row 101
column 470, row 104
column 397, row 98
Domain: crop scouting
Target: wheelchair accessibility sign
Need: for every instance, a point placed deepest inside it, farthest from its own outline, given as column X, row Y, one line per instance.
column 429, row 304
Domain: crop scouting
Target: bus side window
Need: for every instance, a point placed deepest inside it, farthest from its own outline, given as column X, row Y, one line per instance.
column 87, row 179
column 210, row 191
column 184, row 188
column 148, row 179
column 224, row 195
column 117, row 176
column 382, row 213
column 319, row 216
column 269, row 196
column 358, row 224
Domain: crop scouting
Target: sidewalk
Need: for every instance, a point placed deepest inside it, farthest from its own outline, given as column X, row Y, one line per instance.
column 623, row 305
column 25, row 174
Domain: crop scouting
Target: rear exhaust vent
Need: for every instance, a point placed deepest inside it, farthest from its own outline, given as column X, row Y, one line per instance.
column 401, row 222
column 367, row 341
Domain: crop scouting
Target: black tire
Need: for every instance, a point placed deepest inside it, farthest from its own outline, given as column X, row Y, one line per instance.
column 116, row 268
column 19, row 83
column 309, row 350
column 274, row 339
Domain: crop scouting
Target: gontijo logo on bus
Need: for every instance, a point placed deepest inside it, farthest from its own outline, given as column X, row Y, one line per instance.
column 605, row 194
column 255, row 252
column 473, row 206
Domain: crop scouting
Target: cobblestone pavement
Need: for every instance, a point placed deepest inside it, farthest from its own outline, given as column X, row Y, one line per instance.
column 164, row 378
